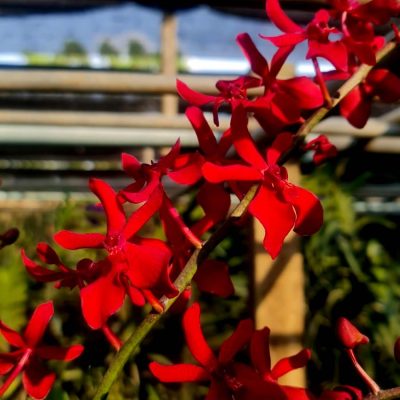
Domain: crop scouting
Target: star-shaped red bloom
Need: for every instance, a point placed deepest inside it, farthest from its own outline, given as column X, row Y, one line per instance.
column 29, row 353
column 135, row 266
column 229, row 379
column 316, row 32
column 279, row 205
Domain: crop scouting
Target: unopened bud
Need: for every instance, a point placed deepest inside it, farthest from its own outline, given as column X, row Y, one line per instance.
column 9, row 237
column 397, row 350
column 348, row 335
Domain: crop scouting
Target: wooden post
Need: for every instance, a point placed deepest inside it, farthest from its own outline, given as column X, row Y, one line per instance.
column 169, row 50
column 279, row 295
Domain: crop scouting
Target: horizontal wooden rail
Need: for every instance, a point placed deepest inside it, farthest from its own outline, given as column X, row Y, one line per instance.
column 105, row 82
column 107, row 119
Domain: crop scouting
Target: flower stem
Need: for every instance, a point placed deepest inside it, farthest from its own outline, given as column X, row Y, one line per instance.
column 322, row 84
column 112, row 338
column 375, row 389
column 388, row 394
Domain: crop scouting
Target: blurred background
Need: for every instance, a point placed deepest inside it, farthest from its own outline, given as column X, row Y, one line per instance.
column 83, row 81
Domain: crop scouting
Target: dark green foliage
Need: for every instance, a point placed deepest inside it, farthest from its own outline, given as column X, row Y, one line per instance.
column 352, row 274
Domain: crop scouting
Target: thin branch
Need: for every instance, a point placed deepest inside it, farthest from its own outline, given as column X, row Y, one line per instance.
column 388, row 394
column 186, row 275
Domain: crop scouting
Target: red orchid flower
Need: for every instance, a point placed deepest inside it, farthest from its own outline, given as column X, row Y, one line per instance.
column 279, row 205
column 379, row 83
column 212, row 276
column 135, row 266
column 86, row 270
column 231, row 92
column 229, row 379
column 29, row 353
column 283, row 99
column 322, row 148
column 316, row 32
column 357, row 25
column 181, row 169
column 261, row 359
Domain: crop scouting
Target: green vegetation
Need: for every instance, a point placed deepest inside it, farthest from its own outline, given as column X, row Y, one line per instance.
column 353, row 273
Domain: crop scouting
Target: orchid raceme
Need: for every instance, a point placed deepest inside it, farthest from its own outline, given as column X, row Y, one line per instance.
column 279, row 205
column 236, row 162
column 29, row 352
column 135, row 266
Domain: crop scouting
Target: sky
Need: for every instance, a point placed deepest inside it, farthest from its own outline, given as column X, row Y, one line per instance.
column 201, row 31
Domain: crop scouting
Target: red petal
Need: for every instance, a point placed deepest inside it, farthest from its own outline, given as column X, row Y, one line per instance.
column 257, row 61
column 259, row 351
column 306, row 93
column 178, row 372
column 356, row 108
column 195, row 339
column 37, row 380
column 213, row 277
column 205, row 135
column 47, row 254
column 73, row 241
column 334, row 52
column 279, row 18
column 148, row 263
column 288, row 364
column 143, row 214
column 187, row 169
column 8, row 361
column 12, row 337
column 386, row 85
column 168, row 160
column 217, row 173
column 281, row 144
column 287, row 40
column 309, row 211
column 278, row 59
column 191, row 96
column 59, row 353
column 38, row 323
column 114, row 213
column 239, row 338
column 276, row 216
column 131, row 165
column 101, row 299
column 133, row 195
column 215, row 202
column 242, row 140
column 218, row 391
column 38, row 272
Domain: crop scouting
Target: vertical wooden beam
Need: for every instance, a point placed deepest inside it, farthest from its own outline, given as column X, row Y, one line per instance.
column 279, row 295
column 169, row 51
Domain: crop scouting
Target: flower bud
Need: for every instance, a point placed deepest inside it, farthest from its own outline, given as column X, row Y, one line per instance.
column 396, row 350
column 348, row 335
column 9, row 237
